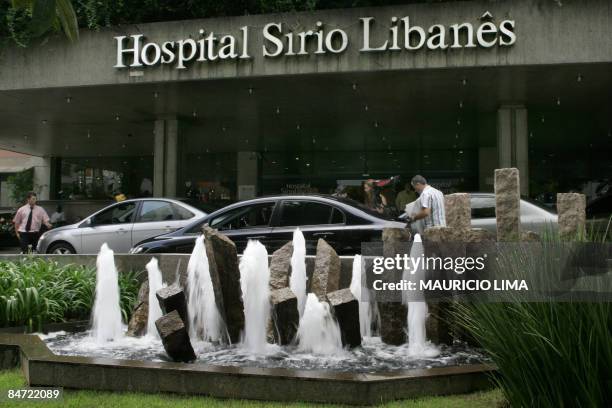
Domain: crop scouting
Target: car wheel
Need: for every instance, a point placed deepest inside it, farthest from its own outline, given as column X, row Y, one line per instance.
column 61, row 248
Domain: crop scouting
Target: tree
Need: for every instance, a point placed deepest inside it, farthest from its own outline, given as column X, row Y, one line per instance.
column 27, row 20
column 20, row 184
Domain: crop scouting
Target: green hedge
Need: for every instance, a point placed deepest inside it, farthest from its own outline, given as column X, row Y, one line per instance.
column 35, row 291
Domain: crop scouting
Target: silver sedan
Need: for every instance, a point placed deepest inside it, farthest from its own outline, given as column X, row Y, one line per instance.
column 120, row 225
column 534, row 217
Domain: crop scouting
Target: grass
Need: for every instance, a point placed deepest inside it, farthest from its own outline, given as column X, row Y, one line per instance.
column 11, row 379
column 37, row 291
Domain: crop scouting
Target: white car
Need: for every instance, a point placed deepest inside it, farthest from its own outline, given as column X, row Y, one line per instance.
column 534, row 217
column 120, row 225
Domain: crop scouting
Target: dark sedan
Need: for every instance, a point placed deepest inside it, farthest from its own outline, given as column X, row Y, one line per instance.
column 343, row 223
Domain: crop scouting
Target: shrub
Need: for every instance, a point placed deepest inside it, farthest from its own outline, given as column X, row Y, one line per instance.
column 37, row 291
column 548, row 353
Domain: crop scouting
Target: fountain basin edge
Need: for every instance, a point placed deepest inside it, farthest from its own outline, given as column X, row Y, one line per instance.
column 43, row 368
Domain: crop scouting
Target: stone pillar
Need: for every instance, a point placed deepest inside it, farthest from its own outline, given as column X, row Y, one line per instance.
column 572, row 215
column 42, row 178
column 247, row 165
column 458, row 213
column 508, row 204
column 326, row 275
column 285, row 315
column 393, row 313
column 165, row 157
column 512, row 141
column 137, row 325
column 346, row 310
column 434, row 239
column 225, row 277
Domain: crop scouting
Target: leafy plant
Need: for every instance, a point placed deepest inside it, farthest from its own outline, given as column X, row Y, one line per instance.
column 36, row 291
column 548, row 353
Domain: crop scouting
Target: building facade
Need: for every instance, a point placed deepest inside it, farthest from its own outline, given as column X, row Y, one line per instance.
column 230, row 108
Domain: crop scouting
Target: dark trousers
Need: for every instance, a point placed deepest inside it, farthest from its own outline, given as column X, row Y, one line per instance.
column 28, row 238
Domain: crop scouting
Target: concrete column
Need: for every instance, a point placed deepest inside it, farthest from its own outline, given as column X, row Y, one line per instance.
column 159, row 147
column 165, row 157
column 42, row 178
column 247, row 175
column 512, row 141
column 171, row 172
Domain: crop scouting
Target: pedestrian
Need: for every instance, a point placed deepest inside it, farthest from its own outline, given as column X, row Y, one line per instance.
column 371, row 197
column 432, row 204
column 58, row 218
column 404, row 197
column 28, row 221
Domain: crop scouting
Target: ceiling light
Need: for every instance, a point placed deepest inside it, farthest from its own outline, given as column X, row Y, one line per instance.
column 68, row 99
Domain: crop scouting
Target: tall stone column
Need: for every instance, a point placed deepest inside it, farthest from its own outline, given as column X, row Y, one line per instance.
column 572, row 215
column 165, row 157
column 392, row 312
column 508, row 204
column 512, row 141
column 458, row 211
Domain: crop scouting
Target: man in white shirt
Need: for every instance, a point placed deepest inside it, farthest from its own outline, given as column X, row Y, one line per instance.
column 432, row 204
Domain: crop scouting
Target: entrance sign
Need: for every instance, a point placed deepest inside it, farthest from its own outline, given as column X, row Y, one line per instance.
column 400, row 34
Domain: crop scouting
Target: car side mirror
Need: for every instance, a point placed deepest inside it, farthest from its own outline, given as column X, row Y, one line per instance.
column 89, row 222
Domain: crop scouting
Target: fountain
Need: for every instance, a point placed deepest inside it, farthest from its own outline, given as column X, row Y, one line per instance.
column 205, row 322
column 318, row 332
column 298, row 279
column 155, row 284
column 254, row 281
column 368, row 314
column 322, row 345
column 418, row 346
column 106, row 315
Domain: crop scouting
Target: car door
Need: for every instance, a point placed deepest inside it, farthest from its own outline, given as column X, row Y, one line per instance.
column 156, row 217
column 112, row 225
column 314, row 218
column 249, row 221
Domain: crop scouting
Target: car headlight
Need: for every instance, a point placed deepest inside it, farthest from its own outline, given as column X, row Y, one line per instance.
column 136, row 250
